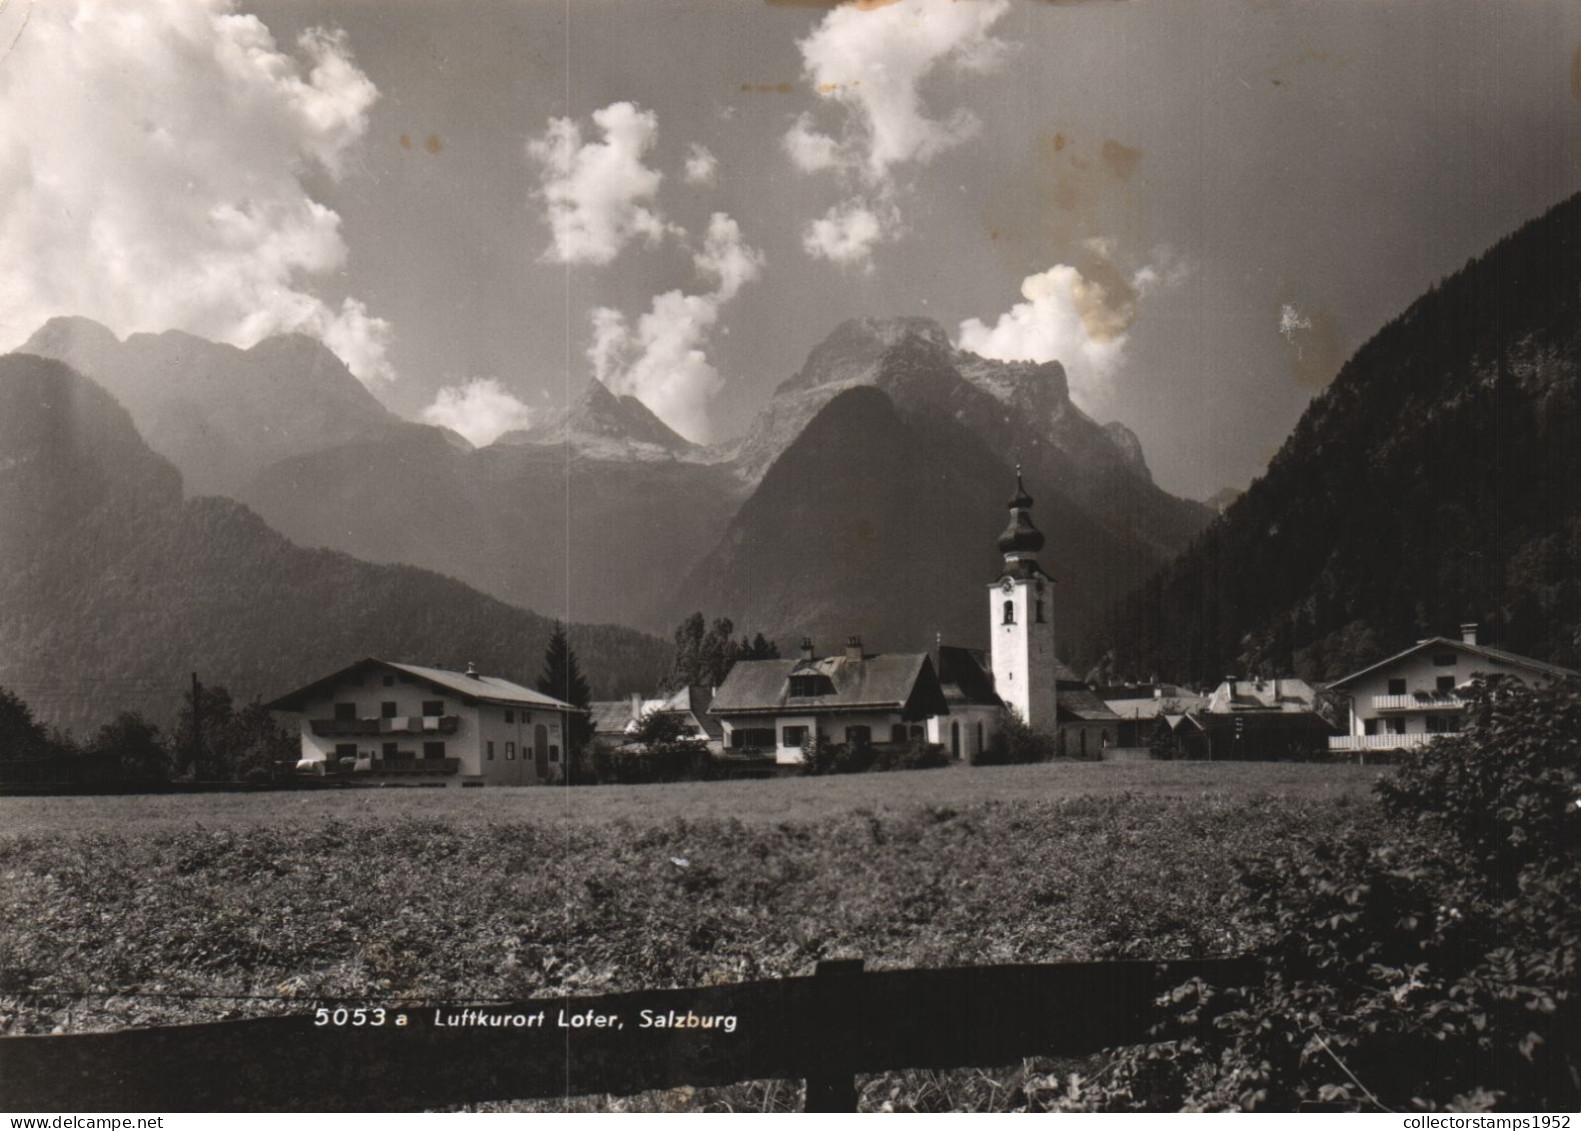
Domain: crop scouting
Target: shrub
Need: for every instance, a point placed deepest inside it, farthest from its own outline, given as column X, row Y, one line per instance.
column 1015, row 744
column 1435, row 970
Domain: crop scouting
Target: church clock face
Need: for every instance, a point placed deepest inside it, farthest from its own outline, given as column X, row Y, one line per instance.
column 1008, row 585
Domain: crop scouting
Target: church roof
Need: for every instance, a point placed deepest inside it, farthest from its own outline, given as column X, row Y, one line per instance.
column 1020, row 536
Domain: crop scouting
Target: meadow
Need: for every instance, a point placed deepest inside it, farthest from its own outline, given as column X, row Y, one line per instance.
column 141, row 911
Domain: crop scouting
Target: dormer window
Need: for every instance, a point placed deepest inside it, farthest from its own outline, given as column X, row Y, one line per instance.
column 809, row 686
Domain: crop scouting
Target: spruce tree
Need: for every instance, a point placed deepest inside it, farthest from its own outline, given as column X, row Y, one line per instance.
column 562, row 678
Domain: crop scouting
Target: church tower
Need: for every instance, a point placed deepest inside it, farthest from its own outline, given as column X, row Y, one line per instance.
column 1021, row 620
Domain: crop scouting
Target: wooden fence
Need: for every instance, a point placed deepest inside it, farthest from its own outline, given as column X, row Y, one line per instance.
column 825, row 1028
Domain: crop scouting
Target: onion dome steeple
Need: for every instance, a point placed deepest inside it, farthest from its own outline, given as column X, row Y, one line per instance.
column 1020, row 538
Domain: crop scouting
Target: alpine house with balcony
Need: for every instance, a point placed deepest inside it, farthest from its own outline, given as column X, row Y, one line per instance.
column 383, row 723
column 1415, row 695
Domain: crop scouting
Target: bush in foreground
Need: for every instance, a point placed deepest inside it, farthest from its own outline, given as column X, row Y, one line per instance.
column 1435, row 969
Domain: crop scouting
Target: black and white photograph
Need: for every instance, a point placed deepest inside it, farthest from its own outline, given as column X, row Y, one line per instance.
column 750, row 556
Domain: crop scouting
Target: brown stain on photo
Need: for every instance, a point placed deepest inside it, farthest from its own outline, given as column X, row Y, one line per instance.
column 1122, row 159
column 406, row 142
column 1317, row 351
column 1104, row 299
column 433, row 144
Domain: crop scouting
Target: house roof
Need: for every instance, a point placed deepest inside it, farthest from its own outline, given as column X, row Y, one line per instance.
column 1493, row 655
column 1153, row 707
column 469, row 686
column 893, row 681
column 614, row 716
column 1082, row 705
column 963, row 674
column 1285, row 694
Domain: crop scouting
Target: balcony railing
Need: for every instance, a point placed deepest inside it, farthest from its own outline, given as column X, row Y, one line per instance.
column 400, row 724
column 1419, row 701
column 1378, row 741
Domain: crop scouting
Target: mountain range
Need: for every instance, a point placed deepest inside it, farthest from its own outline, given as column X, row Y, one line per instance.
column 114, row 587
column 603, row 513
column 1436, row 481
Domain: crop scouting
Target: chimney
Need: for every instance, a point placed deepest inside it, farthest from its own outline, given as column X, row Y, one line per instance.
column 1158, row 693
column 636, row 705
column 853, row 648
column 1468, row 633
column 472, row 670
column 806, row 648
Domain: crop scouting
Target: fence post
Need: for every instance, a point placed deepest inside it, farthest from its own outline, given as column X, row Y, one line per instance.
column 832, row 1084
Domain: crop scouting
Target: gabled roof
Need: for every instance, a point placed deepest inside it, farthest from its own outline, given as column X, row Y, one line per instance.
column 1285, row 694
column 1495, row 656
column 614, row 716
column 898, row 681
column 963, row 674
column 1082, row 705
column 469, row 687
column 1153, row 707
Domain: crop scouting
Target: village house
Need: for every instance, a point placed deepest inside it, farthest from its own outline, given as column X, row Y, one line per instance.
column 1150, row 716
column 1416, row 695
column 854, row 697
column 615, row 721
column 378, row 722
column 1264, row 720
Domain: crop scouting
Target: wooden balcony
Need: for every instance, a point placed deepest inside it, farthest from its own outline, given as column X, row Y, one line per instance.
column 1419, row 701
column 1342, row 742
column 400, row 724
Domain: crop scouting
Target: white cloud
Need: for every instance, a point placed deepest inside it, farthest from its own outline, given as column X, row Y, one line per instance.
column 846, row 234
column 663, row 360
column 152, row 164
column 1078, row 317
column 869, row 64
column 727, row 258
column 598, row 194
column 702, row 167
column 481, row 410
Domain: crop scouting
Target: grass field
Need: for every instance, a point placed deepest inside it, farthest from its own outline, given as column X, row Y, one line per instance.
column 109, row 905
column 785, row 799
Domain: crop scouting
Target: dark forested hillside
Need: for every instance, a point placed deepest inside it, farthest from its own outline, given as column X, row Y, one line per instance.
column 1436, row 481
column 883, row 521
column 113, row 589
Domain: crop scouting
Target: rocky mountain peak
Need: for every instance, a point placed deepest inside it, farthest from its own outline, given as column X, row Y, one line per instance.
column 603, row 423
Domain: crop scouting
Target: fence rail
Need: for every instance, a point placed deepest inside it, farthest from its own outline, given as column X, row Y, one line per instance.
column 841, row 1021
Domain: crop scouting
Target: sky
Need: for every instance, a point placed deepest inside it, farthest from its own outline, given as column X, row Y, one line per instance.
column 1199, row 209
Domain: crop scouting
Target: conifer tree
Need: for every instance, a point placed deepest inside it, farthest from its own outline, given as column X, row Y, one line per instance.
column 562, row 678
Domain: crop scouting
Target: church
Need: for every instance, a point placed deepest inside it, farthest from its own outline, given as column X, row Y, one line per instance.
column 955, row 697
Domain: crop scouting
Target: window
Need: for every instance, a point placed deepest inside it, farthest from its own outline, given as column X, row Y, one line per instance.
column 858, row 736
column 345, row 750
column 955, row 738
column 433, row 750
column 389, row 681
column 390, row 750
column 510, row 716
column 1396, row 726
column 387, row 710
column 554, row 753
column 1442, row 724
column 979, row 738
column 1040, row 610
column 1443, row 659
column 793, row 736
column 751, row 736
column 433, row 708
column 510, row 752
column 808, row 685
column 345, row 712
column 488, row 751
column 1010, row 612
column 1445, row 683
column 1397, row 687
column 1369, row 726
column 897, row 733
column 916, row 732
